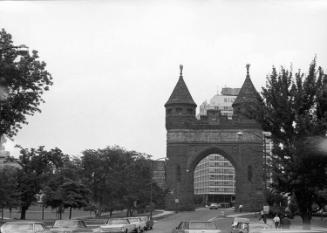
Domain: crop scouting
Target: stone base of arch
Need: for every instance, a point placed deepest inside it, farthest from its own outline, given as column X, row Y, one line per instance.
column 185, row 148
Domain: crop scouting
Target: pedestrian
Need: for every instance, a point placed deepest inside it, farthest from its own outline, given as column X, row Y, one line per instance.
column 276, row 220
column 240, row 208
column 263, row 216
column 321, row 213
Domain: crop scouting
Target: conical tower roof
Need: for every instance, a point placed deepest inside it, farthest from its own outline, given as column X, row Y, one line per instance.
column 180, row 94
column 248, row 93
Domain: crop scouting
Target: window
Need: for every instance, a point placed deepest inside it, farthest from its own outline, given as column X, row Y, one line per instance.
column 169, row 111
column 179, row 110
column 250, row 173
column 178, row 173
column 190, row 110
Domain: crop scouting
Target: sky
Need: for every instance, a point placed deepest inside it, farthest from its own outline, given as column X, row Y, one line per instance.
column 115, row 63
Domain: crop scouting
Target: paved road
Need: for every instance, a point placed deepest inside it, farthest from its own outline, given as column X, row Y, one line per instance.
column 167, row 224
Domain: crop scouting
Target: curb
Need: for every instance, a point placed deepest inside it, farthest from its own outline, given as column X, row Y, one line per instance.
column 242, row 214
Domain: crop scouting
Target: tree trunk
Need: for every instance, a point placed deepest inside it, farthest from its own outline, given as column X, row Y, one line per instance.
column 2, row 214
column 306, row 220
column 110, row 213
column 23, row 212
column 70, row 212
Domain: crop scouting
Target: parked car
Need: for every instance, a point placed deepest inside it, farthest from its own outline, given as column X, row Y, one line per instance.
column 149, row 222
column 69, row 226
column 224, row 205
column 140, row 225
column 240, row 225
column 195, row 227
column 115, row 225
column 23, row 227
column 214, row 206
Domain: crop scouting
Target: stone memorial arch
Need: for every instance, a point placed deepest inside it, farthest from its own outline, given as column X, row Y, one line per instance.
column 189, row 140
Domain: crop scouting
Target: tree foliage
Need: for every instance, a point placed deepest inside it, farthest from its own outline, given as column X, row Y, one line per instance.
column 37, row 165
column 294, row 111
column 9, row 196
column 24, row 78
column 119, row 179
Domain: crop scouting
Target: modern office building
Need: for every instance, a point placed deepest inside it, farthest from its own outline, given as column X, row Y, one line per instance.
column 222, row 102
column 214, row 179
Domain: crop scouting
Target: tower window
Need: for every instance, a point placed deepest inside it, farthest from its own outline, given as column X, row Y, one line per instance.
column 250, row 173
column 190, row 110
column 179, row 110
column 169, row 110
column 178, row 173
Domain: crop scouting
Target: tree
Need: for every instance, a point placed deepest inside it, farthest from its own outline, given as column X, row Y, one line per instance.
column 55, row 195
column 37, row 165
column 24, row 78
column 293, row 109
column 8, row 188
column 75, row 195
column 118, row 179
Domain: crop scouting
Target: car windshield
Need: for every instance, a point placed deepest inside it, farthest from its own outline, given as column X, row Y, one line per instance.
column 17, row 228
column 117, row 221
column 134, row 220
column 201, row 225
column 65, row 224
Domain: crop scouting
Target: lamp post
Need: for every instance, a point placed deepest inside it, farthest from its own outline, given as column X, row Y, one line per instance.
column 151, row 186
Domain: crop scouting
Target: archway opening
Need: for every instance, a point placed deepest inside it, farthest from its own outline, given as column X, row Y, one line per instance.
column 214, row 181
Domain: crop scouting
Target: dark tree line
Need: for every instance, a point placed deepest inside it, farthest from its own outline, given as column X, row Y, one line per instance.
column 101, row 180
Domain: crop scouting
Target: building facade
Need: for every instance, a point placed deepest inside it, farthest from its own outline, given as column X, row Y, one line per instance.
column 190, row 139
column 222, row 102
column 214, row 179
column 209, row 183
column 159, row 173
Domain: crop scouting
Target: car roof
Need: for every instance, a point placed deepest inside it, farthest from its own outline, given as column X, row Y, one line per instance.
column 72, row 220
column 23, row 221
column 194, row 221
column 244, row 220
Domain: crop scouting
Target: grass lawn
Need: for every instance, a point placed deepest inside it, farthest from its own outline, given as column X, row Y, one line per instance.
column 35, row 213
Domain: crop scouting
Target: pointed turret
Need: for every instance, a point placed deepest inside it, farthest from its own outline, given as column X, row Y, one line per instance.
column 180, row 107
column 180, row 94
column 247, row 96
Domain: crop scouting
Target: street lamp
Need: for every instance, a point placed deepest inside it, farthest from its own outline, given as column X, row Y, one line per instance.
column 151, row 186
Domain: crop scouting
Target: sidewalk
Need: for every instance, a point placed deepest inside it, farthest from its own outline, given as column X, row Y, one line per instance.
column 164, row 213
column 295, row 222
column 245, row 214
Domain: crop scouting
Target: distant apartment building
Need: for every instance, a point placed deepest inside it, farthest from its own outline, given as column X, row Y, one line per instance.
column 159, row 173
column 214, row 179
column 222, row 102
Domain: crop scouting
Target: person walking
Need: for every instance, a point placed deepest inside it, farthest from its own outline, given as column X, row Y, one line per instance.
column 263, row 216
column 276, row 220
column 240, row 208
